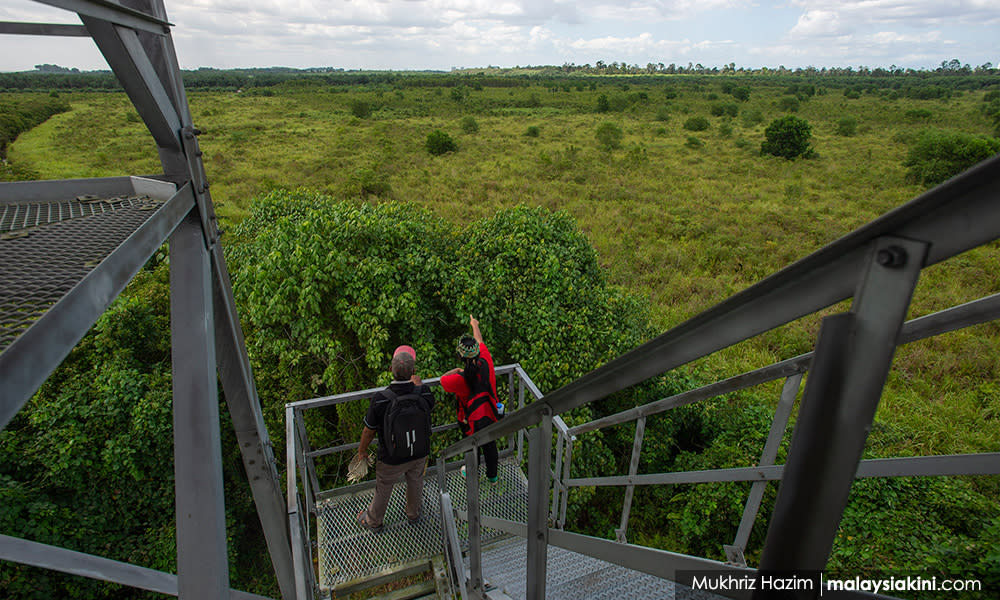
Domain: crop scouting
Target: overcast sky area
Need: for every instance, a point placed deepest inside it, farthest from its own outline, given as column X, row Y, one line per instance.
column 445, row 34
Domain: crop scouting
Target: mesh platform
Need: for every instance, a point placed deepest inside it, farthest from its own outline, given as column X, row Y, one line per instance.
column 46, row 248
column 572, row 576
column 347, row 552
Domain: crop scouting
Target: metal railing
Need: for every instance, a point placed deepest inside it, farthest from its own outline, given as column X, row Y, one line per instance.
column 878, row 266
column 305, row 492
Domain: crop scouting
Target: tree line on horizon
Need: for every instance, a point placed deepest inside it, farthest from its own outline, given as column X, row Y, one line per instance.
column 952, row 73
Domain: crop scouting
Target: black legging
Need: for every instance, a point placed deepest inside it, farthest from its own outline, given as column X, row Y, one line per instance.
column 490, row 454
column 492, row 457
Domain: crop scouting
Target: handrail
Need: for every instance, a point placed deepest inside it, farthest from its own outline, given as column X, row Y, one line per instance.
column 956, row 216
column 45, row 556
column 950, row 319
column 307, row 454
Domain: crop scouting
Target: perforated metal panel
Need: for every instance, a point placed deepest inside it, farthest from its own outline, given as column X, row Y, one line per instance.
column 46, row 248
column 572, row 576
column 348, row 552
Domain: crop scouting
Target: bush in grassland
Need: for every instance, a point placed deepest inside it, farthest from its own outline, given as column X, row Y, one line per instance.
column 698, row 123
column 938, row 155
column 439, row 142
column 787, row 137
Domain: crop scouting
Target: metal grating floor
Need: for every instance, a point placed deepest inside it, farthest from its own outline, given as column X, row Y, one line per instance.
column 347, row 552
column 46, row 248
column 572, row 576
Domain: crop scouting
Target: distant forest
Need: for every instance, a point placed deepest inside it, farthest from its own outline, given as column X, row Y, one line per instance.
column 950, row 74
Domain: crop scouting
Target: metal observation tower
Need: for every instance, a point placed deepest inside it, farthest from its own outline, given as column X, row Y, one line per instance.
column 69, row 247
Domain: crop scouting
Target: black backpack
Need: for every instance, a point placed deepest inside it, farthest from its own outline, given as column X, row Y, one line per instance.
column 407, row 426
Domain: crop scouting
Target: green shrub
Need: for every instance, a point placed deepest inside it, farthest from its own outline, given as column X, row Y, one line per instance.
column 789, row 104
column 469, row 124
column 603, row 104
column 693, row 142
column 741, row 93
column 532, row 131
column 729, row 109
column 698, row 123
column 847, row 126
column 439, row 142
column 919, row 114
column 752, row 117
column 370, row 181
column 663, row 114
column 361, row 109
column 787, row 137
column 938, row 155
column 609, row 136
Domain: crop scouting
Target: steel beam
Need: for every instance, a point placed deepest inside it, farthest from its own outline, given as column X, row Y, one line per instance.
column 475, row 587
column 243, row 403
column 301, row 564
column 539, row 451
column 113, row 13
column 202, row 558
column 453, row 550
column 853, row 357
column 633, row 468
column 53, row 29
column 987, row 463
column 128, row 59
column 778, row 425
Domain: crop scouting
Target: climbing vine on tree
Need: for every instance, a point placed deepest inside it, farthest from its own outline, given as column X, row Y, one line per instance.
column 327, row 289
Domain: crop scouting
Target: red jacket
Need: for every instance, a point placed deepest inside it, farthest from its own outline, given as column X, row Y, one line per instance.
column 479, row 410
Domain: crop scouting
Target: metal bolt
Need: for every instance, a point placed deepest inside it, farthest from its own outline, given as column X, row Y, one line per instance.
column 892, row 257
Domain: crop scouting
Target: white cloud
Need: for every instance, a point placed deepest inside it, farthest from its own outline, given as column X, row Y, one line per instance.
column 416, row 34
column 913, row 13
column 818, row 23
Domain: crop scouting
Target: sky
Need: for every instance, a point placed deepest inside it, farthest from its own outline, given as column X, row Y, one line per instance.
column 448, row 34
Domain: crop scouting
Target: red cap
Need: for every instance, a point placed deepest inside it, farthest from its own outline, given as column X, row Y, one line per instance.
column 406, row 349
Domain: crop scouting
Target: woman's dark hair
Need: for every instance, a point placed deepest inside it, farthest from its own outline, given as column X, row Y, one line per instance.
column 474, row 372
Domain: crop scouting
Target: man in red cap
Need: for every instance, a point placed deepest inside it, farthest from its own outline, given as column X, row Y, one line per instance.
column 401, row 416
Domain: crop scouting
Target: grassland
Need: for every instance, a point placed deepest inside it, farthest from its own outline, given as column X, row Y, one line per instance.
column 683, row 222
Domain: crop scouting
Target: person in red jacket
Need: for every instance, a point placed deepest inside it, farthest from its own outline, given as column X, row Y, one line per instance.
column 475, row 386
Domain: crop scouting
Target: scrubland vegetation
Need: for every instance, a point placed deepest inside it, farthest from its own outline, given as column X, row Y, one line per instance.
column 576, row 216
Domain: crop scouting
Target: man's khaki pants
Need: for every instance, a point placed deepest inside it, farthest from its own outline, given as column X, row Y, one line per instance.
column 386, row 477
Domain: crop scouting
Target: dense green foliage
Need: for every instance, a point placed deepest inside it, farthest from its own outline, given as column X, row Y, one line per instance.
column 327, row 290
column 787, row 137
column 939, row 155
